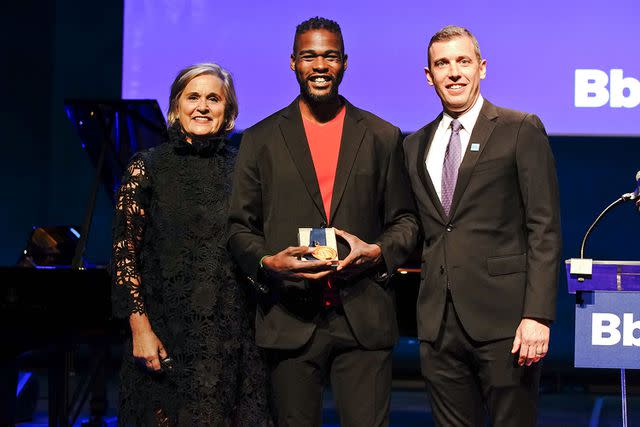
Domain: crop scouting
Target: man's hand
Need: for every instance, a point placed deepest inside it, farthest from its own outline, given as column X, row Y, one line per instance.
column 286, row 265
column 532, row 339
column 362, row 254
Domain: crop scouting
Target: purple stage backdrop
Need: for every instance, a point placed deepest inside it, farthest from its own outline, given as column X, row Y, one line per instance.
column 574, row 63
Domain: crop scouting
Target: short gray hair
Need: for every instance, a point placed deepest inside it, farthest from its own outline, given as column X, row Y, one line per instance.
column 187, row 74
column 451, row 32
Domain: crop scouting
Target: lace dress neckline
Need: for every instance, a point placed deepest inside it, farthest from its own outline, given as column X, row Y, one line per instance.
column 203, row 146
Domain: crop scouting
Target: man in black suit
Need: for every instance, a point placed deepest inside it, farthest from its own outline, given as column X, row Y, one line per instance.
column 485, row 184
column 321, row 162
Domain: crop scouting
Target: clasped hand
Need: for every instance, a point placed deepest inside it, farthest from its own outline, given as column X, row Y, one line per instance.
column 362, row 255
column 287, row 265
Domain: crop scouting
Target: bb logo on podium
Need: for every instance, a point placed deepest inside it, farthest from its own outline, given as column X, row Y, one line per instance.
column 608, row 330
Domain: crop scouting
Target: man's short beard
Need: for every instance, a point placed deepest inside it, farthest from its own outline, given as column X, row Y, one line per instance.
column 306, row 94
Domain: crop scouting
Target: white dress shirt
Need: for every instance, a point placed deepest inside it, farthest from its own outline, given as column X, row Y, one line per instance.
column 435, row 157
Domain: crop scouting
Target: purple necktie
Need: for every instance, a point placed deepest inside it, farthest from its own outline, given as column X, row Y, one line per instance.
column 450, row 166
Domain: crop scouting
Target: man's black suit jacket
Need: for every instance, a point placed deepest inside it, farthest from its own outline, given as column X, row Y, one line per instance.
column 276, row 192
column 498, row 251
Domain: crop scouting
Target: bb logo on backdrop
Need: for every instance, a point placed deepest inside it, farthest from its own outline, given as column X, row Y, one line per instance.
column 595, row 88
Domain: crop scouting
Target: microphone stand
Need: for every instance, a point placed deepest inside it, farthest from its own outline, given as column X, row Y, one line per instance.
column 625, row 197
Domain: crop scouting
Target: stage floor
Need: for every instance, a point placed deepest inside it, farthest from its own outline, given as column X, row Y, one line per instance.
column 409, row 408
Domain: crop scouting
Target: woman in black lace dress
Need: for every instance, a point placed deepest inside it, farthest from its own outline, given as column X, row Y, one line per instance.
column 173, row 278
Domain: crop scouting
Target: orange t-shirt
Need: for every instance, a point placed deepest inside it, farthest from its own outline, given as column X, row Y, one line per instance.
column 324, row 144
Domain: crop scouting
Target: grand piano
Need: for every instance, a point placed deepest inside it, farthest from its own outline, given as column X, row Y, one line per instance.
column 53, row 300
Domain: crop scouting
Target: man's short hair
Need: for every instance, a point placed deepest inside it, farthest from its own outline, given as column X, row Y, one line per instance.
column 318, row 23
column 451, row 32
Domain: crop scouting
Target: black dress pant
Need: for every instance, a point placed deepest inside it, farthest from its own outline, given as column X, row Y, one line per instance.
column 464, row 377
column 360, row 378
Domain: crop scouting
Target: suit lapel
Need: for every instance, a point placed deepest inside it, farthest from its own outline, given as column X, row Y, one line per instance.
column 480, row 136
column 353, row 133
column 421, row 167
column 296, row 141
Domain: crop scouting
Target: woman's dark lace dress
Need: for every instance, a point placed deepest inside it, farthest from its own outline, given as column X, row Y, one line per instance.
column 169, row 236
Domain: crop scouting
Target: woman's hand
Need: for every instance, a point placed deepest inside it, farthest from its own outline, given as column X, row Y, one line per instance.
column 147, row 347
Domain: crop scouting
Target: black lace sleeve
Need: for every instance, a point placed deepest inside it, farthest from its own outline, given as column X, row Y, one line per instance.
column 128, row 229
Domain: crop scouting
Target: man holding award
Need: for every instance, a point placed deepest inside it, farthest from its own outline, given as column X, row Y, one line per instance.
column 317, row 174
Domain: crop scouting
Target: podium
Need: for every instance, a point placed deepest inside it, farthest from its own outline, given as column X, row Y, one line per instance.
column 607, row 316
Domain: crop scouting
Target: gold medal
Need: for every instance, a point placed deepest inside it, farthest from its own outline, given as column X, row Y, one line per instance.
column 324, row 253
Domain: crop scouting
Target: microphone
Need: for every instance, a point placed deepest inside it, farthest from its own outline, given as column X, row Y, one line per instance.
column 636, row 194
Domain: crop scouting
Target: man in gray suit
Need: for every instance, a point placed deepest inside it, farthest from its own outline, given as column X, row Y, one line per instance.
column 485, row 184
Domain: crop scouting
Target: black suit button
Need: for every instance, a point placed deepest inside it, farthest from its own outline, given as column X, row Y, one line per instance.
column 442, row 269
column 449, row 227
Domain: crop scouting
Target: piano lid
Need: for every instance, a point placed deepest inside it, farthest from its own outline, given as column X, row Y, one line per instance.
column 126, row 126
